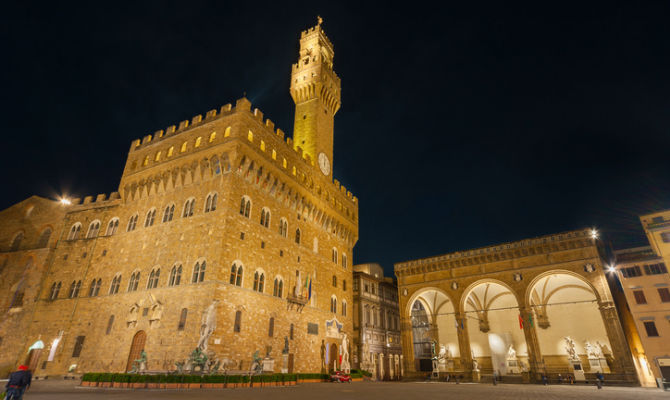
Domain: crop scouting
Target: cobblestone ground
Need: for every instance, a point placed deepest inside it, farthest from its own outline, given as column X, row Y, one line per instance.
column 360, row 390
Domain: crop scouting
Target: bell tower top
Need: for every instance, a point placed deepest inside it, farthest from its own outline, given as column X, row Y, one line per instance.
column 315, row 89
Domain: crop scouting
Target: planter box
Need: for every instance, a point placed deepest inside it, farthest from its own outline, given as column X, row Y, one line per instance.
column 85, row 383
column 256, row 384
column 118, row 384
column 194, row 385
column 153, row 385
column 182, row 385
column 172, row 385
column 105, row 384
column 138, row 385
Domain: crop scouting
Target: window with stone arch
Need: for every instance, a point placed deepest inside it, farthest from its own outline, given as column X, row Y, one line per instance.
column 237, row 326
column 297, row 236
column 189, row 206
column 245, row 206
column 175, row 275
column 153, row 278
column 366, row 314
column 333, row 304
column 110, row 324
column 210, row 202
column 236, row 274
column 344, row 308
column 265, row 217
column 112, row 226
column 259, row 281
column 44, row 238
column 134, row 281
column 132, row 223
column 116, row 283
column 344, row 285
column 150, row 218
column 168, row 213
column 278, row 289
column 75, row 286
column 199, row 271
column 95, row 287
column 334, row 255
column 93, row 229
column 344, row 260
column 182, row 319
column 283, row 227
column 55, row 290
column 334, row 281
column 74, row 231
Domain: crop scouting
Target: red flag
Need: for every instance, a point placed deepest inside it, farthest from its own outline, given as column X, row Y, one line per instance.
column 520, row 322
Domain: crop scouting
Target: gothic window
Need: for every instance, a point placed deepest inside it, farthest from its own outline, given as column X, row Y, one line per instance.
column 226, row 133
column 344, row 285
column 265, row 217
column 114, row 287
column 271, row 328
column 110, row 324
column 168, row 213
column 259, row 281
column 344, row 308
column 278, row 288
column 344, row 260
column 334, row 255
column 334, row 281
column 74, row 289
column 55, row 289
column 236, row 275
column 151, row 215
column 333, row 304
column 158, row 156
column 188, row 208
column 283, row 227
column 146, row 161
column 290, row 332
column 95, row 287
column 74, row 231
column 199, row 272
column 238, row 321
column 210, row 203
column 112, row 227
column 367, row 314
column 182, row 319
column 93, row 229
column 153, row 278
column 44, row 238
column 297, row 236
column 245, row 206
column 78, row 345
column 134, row 280
column 17, row 298
column 132, row 223
column 175, row 275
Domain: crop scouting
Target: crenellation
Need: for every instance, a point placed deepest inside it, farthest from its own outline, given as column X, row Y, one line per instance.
column 88, row 199
column 158, row 134
column 280, row 133
column 100, row 197
column 170, row 130
column 146, row 139
column 196, row 120
column 210, row 114
column 183, row 125
column 258, row 114
column 269, row 124
column 226, row 108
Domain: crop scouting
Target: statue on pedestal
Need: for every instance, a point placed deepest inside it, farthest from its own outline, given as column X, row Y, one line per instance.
column 323, row 355
column 345, row 354
column 570, row 348
column 511, row 353
column 140, row 364
column 207, row 326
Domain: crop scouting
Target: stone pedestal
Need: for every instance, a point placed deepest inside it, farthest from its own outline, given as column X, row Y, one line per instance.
column 284, row 364
column 450, row 365
column 577, row 370
column 476, row 375
column 436, row 369
column 513, row 366
column 268, row 365
column 599, row 365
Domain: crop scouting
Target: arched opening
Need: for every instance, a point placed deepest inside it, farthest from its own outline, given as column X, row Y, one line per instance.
column 33, row 357
column 434, row 331
column 333, row 357
column 496, row 335
column 566, row 316
column 136, row 348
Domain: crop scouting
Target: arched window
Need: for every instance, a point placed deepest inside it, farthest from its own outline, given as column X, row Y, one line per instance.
column 189, row 206
column 283, row 227
column 236, row 275
column 290, row 332
column 265, row 217
column 367, row 314
column 17, row 298
column 95, row 287
column 114, row 287
column 168, row 213
column 344, row 260
column 334, row 255
column 93, row 229
column 334, row 281
column 153, row 278
column 110, row 324
column 210, row 203
column 112, row 226
column 175, row 275
column 199, row 272
column 344, row 285
column 245, row 206
column 74, row 231
column 151, row 215
column 238, row 321
column 198, row 140
column 278, row 288
column 297, row 236
column 182, row 319
column 132, row 223
column 271, row 327
column 333, row 304
column 344, row 308
column 259, row 281
column 170, row 151
column 44, row 238
column 184, row 146
column 74, row 289
column 134, row 280
column 55, row 289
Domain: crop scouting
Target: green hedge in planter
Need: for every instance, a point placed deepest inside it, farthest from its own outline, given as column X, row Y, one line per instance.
column 105, row 377
column 134, row 378
column 313, row 376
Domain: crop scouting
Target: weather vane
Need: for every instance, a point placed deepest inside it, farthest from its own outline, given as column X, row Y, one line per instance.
column 319, row 19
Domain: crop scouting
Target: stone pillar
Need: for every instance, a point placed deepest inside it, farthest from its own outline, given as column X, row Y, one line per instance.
column 407, row 344
column 623, row 360
column 402, row 366
column 536, row 367
column 464, row 342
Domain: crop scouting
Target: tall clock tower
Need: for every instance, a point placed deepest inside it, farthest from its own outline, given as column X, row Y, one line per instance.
column 315, row 89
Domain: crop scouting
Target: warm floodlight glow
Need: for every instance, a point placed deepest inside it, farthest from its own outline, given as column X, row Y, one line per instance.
column 594, row 234
column 611, row 269
column 64, row 201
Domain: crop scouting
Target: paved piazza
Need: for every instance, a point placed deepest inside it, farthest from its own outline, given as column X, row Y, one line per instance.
column 358, row 390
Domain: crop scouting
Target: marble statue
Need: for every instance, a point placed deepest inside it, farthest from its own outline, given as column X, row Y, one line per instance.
column 570, row 348
column 323, row 354
column 511, row 353
column 591, row 350
column 140, row 364
column 433, row 352
column 444, row 353
column 256, row 365
column 345, row 354
column 207, row 326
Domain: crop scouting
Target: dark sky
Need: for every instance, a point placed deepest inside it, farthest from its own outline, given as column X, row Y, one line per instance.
column 460, row 126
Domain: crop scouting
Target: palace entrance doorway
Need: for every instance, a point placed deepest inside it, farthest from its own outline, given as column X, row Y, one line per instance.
column 136, row 348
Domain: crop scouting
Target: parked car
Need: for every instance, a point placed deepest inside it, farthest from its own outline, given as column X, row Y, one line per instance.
column 339, row 376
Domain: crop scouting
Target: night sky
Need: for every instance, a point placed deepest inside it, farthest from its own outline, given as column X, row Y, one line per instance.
column 460, row 127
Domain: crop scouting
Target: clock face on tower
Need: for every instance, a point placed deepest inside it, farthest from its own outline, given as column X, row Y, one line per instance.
column 324, row 164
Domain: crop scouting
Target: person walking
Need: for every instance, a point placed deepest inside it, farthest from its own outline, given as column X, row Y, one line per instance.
column 600, row 378
column 545, row 380
column 18, row 383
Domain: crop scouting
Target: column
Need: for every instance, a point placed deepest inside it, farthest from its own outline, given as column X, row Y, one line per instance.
column 407, row 344
column 536, row 366
column 623, row 360
column 464, row 342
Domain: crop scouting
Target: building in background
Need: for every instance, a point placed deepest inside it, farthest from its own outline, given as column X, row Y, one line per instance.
column 657, row 228
column 376, row 323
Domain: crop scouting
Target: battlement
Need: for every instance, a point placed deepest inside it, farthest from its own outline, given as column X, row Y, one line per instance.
column 101, row 200
column 316, row 30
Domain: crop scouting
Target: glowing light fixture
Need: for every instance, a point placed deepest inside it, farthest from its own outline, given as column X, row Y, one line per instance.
column 65, row 201
column 594, row 233
column 611, row 268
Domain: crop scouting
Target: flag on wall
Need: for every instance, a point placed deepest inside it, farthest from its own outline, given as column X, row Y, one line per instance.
column 520, row 322
column 530, row 319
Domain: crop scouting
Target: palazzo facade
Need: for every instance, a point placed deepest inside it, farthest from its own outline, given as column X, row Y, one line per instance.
column 223, row 235
column 532, row 302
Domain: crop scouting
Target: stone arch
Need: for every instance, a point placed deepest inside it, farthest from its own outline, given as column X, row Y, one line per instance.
column 533, row 282
column 466, row 292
